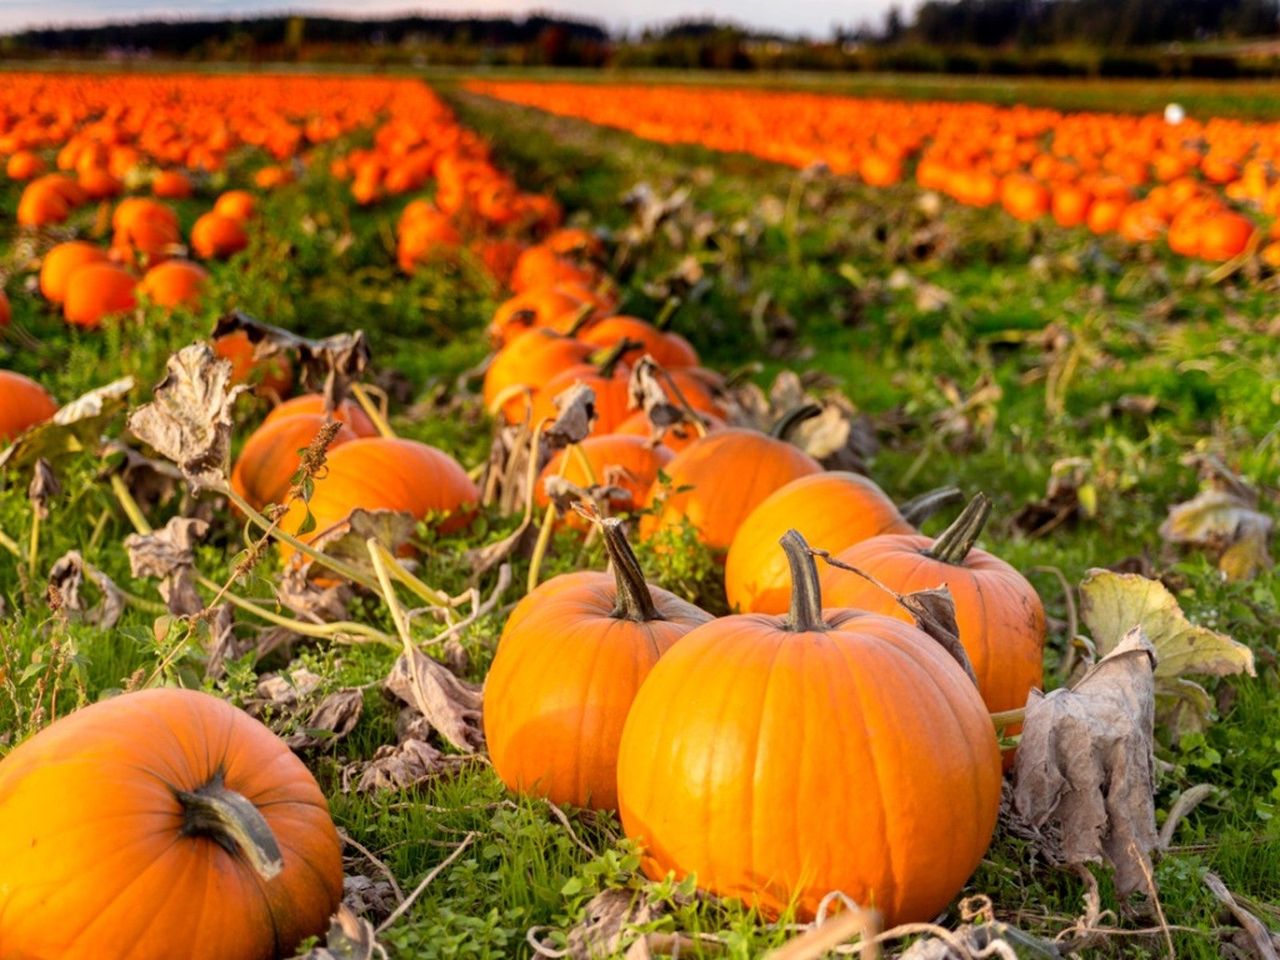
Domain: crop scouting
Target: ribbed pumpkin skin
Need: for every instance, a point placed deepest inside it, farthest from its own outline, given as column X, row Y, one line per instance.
column 831, row 510
column 999, row 613
column 530, row 359
column 779, row 766
column 92, row 861
column 379, row 473
column 23, row 404
column 266, row 465
column 347, row 412
column 668, row 349
column 730, row 473
column 612, row 400
column 562, row 681
column 624, row 461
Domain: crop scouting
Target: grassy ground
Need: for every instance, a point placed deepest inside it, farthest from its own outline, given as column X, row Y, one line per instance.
column 798, row 276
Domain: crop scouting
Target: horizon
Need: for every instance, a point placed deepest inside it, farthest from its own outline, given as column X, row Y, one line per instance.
column 813, row 18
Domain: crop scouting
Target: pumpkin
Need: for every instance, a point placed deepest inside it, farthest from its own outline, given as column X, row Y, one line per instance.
column 565, row 674
column 175, row 283
column 99, row 184
column 861, row 728
column 63, row 260
column 1001, row 619
column 23, row 165
column 264, row 471
column 528, row 361
column 676, row 437
column 23, row 404
column 382, row 473
column 562, row 308
column 214, row 236
column 609, row 380
column 628, row 463
column 831, row 511
column 236, row 204
column 717, row 481
column 348, row 412
column 159, row 821
column 171, row 185
column 272, row 376
column 98, row 290
column 670, row 350
column 41, row 205
column 539, row 266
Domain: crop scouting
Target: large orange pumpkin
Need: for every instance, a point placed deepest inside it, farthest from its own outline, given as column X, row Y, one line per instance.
column 717, row 481
column 161, row 821
column 778, row 758
column 831, row 511
column 98, row 290
column 566, row 672
column 62, row 261
column 1001, row 619
column 265, row 468
column 525, row 364
column 23, row 404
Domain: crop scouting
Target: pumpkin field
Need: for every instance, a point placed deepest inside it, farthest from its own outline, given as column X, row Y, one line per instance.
column 513, row 515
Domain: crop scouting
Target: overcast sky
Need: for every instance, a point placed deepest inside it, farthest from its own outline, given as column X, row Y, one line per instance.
column 814, row 17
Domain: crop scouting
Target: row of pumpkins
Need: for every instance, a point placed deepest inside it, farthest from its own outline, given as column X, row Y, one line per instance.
column 1141, row 178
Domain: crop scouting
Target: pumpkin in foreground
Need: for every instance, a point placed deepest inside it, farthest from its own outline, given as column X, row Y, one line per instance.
column 23, row 404
column 778, row 758
column 158, row 822
column 570, row 661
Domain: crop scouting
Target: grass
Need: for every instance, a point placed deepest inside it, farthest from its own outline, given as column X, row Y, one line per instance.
column 808, row 290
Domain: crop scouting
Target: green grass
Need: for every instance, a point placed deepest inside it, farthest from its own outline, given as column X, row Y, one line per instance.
column 821, row 273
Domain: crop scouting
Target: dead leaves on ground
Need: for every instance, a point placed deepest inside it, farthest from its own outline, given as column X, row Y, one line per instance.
column 1223, row 519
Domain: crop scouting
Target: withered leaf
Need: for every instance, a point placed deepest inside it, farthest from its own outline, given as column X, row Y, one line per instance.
column 328, row 366
column 1224, row 520
column 223, row 645
column 348, row 541
column 451, row 705
column 648, row 392
column 1085, row 764
column 284, row 691
column 1069, row 495
column 333, row 718
column 66, row 580
column 608, row 923
column 368, row 897
column 77, row 426
column 1261, row 940
column 402, row 766
column 310, row 601
column 169, row 555
column 44, row 487
column 350, row 937
column 152, row 482
column 935, row 614
column 577, row 411
column 190, row 420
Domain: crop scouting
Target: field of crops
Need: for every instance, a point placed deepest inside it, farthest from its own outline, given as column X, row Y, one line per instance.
column 520, row 517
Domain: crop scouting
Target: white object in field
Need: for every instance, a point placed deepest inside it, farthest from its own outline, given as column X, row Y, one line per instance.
column 1174, row 114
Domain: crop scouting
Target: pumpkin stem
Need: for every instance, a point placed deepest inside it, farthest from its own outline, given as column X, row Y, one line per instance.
column 954, row 543
column 792, row 419
column 611, row 359
column 806, row 596
column 919, row 509
column 635, row 601
column 586, row 313
column 231, row 821
column 663, row 320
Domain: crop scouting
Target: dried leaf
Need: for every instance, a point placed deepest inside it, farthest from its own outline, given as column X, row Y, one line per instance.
column 935, row 614
column 1069, row 495
column 608, row 923
column 452, row 706
column 1225, row 521
column 577, row 411
column 368, row 897
column 647, row 392
column 328, row 366
column 223, row 645
column 311, row 602
column 190, row 421
column 44, row 487
column 282, row 691
column 66, row 579
column 151, row 482
column 348, row 541
column 1085, row 764
column 350, row 938
column 332, row 719
column 402, row 766
column 1260, row 938
column 169, row 555
column 77, row 426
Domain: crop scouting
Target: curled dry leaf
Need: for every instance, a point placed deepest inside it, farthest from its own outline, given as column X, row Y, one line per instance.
column 44, row 487
column 333, row 718
column 76, row 426
column 223, row 645
column 566, row 495
column 328, row 366
column 1085, row 767
column 350, row 937
column 66, row 580
column 1226, row 522
column 310, row 601
column 368, row 897
column 935, row 614
column 400, row 766
column 451, row 705
column 168, row 554
column 190, row 420
column 608, row 923
column 1111, row 604
column 577, row 411
column 349, row 541
column 281, row 691
column 648, row 392
column 151, row 482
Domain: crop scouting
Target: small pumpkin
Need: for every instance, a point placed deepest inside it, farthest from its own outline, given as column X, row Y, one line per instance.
column 162, row 820
column 63, row 260
column 669, row 349
column 860, row 727
column 96, row 291
column 348, row 412
column 717, row 481
column 175, row 283
column 565, row 674
column 23, row 404
column 272, row 376
column 628, row 464
column 999, row 613
column 265, row 468
column 525, row 364
column 214, row 236
column 236, row 204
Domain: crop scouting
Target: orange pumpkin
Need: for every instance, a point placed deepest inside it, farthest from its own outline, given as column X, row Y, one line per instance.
column 62, row 261
column 214, row 236
column 264, row 471
column 98, row 290
column 528, row 361
column 670, row 350
column 201, row 829
column 237, row 205
column 171, row 185
column 831, row 511
column 174, row 283
column 272, row 376
column 562, row 308
column 23, row 404
column 852, row 723
column 566, row 672
column 627, row 463
column 347, row 412
column 717, row 481
column 999, row 613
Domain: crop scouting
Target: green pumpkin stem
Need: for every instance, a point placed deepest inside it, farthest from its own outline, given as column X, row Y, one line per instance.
column 954, row 544
column 806, row 596
column 610, row 362
column 635, row 601
column 919, row 509
column 232, row 822
column 586, row 313
column 792, row 419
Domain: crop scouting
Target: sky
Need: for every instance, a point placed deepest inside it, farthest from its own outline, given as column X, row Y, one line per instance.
column 812, row 17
